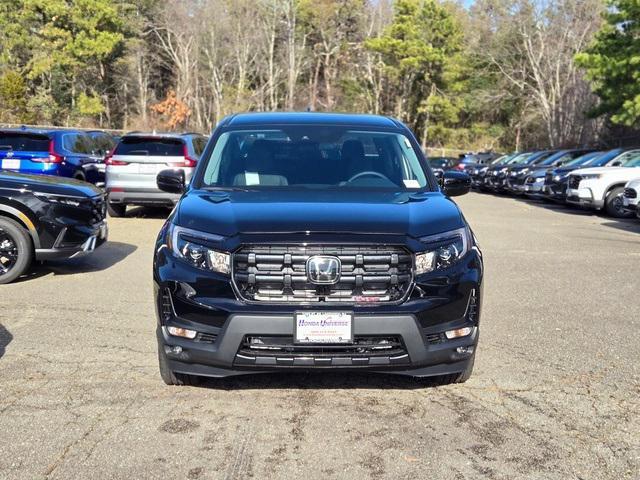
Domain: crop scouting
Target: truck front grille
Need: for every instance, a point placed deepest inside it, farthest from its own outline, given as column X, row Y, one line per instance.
column 281, row 351
column 278, row 274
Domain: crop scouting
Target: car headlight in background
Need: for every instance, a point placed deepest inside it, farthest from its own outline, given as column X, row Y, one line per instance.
column 196, row 249
column 557, row 178
column 444, row 250
column 592, row 176
column 60, row 199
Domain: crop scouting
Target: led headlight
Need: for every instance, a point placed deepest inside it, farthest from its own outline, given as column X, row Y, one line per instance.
column 60, row 199
column 196, row 248
column 592, row 176
column 444, row 250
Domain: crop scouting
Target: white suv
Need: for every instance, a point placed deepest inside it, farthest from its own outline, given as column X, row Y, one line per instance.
column 601, row 188
column 136, row 161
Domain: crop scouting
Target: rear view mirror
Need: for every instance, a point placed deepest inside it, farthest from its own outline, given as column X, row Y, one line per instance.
column 455, row 183
column 171, row 181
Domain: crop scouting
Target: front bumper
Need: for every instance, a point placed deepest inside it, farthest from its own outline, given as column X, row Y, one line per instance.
column 206, row 303
column 535, row 189
column 74, row 241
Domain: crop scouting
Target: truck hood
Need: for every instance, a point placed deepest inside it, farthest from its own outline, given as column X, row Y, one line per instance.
column 49, row 184
column 390, row 213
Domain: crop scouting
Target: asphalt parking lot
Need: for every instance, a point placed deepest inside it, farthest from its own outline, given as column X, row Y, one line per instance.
column 555, row 393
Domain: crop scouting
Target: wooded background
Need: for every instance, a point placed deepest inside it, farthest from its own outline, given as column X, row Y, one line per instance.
column 496, row 74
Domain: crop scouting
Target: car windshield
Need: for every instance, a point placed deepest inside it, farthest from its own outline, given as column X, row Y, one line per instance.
column 24, row 142
column 633, row 161
column 502, row 160
column 584, row 159
column 438, row 162
column 560, row 157
column 520, row 159
column 603, row 159
column 313, row 157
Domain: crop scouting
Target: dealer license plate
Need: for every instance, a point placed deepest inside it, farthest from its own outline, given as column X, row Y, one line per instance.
column 323, row 327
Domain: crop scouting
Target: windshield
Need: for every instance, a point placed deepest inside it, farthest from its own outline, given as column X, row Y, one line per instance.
column 538, row 157
column 560, row 157
column 314, row 157
column 603, row 159
column 439, row 162
column 632, row 161
column 502, row 160
column 519, row 159
column 584, row 159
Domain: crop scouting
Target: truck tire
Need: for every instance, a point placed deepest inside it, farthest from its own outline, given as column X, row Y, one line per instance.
column 116, row 210
column 16, row 250
column 613, row 204
column 172, row 378
column 460, row 377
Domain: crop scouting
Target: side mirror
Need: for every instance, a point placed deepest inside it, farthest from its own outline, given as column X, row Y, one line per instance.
column 617, row 163
column 171, row 181
column 455, row 183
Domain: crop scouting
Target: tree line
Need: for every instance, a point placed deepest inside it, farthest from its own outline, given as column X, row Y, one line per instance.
column 499, row 74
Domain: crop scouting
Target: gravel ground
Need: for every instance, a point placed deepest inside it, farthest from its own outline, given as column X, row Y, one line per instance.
column 555, row 393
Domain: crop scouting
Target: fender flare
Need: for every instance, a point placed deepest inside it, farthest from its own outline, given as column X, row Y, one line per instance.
column 25, row 220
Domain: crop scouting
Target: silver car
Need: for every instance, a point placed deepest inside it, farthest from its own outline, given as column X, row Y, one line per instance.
column 136, row 161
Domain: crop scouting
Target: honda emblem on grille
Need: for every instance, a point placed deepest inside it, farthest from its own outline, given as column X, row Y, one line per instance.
column 323, row 270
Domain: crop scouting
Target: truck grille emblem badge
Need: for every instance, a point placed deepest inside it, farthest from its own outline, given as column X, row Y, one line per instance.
column 323, row 270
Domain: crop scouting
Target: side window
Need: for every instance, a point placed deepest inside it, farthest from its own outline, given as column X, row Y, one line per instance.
column 77, row 143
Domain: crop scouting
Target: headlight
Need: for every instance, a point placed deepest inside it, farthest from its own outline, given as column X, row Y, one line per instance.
column 60, row 199
column 196, row 249
column 444, row 250
column 592, row 176
column 513, row 174
column 557, row 178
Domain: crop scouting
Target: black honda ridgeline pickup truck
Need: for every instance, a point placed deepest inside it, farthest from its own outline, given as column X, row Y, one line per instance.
column 313, row 241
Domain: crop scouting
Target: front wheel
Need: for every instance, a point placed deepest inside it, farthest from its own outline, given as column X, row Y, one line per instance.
column 613, row 204
column 460, row 377
column 16, row 251
column 116, row 210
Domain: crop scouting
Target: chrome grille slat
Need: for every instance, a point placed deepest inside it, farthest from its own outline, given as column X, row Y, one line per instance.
column 277, row 274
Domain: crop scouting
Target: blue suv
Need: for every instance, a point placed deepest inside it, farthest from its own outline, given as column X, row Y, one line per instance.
column 61, row 152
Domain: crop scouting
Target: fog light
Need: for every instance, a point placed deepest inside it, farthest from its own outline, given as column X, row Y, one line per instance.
column 465, row 350
column 460, row 332
column 182, row 332
column 176, row 350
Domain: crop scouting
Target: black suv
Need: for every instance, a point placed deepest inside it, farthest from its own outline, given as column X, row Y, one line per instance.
column 316, row 241
column 46, row 218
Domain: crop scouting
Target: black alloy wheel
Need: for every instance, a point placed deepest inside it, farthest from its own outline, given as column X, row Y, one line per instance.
column 16, row 252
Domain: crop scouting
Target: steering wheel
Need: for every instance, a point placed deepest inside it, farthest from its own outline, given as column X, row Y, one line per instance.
column 368, row 173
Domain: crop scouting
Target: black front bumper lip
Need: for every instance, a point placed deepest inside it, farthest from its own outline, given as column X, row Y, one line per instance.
column 221, row 358
column 98, row 237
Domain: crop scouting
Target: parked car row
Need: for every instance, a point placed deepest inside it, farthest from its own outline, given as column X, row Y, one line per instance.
column 52, row 205
column 607, row 180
